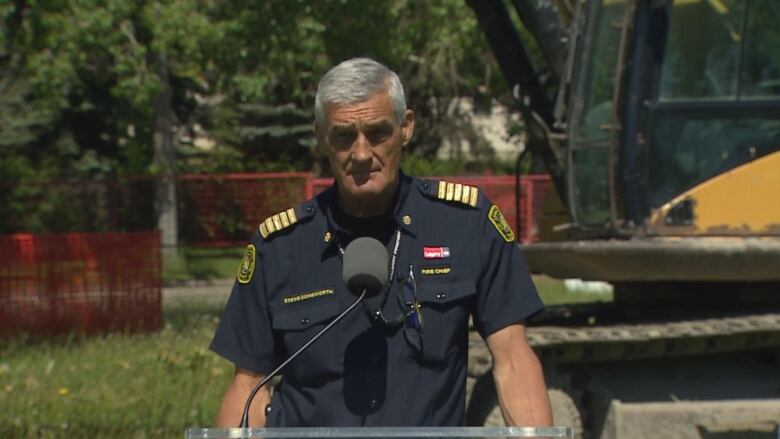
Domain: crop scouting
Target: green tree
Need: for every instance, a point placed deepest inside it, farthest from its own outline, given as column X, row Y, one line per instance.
column 98, row 88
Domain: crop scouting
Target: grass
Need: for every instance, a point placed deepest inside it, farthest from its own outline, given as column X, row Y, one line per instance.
column 203, row 264
column 119, row 385
column 555, row 292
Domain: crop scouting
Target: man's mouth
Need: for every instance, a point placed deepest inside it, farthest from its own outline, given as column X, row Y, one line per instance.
column 361, row 176
column 361, row 173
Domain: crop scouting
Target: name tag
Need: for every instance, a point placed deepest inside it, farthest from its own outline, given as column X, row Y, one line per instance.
column 435, row 271
column 306, row 296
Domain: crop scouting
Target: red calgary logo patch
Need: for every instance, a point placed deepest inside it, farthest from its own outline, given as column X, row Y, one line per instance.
column 436, row 252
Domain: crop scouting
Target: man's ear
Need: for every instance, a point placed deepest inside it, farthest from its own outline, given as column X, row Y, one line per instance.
column 407, row 127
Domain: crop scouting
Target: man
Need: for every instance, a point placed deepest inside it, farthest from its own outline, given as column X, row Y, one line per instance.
column 399, row 358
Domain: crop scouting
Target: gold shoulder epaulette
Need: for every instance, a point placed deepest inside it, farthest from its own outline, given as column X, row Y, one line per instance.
column 277, row 222
column 459, row 193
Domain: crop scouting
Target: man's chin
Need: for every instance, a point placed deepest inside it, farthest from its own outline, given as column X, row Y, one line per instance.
column 365, row 185
column 364, row 188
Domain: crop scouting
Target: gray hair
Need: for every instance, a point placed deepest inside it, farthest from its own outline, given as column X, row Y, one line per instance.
column 357, row 80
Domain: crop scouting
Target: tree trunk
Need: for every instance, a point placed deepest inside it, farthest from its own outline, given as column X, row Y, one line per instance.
column 164, row 161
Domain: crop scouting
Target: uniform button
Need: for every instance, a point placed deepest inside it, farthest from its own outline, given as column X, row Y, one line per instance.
column 309, row 209
column 441, row 296
column 304, row 321
column 268, row 409
column 375, row 359
column 372, row 404
column 425, row 186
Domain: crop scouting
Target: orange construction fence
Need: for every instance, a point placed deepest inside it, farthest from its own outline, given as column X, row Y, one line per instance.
column 224, row 209
column 80, row 282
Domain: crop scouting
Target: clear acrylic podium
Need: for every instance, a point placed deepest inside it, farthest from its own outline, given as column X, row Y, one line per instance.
column 380, row 432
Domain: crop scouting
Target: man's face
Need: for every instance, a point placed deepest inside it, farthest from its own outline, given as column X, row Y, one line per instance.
column 363, row 143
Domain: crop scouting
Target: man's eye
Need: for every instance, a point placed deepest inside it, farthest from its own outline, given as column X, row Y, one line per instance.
column 342, row 137
column 378, row 136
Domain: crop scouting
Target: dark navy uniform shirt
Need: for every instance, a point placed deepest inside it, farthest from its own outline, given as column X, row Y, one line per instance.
column 363, row 372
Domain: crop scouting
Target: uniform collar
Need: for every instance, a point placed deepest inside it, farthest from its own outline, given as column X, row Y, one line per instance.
column 402, row 217
column 401, row 211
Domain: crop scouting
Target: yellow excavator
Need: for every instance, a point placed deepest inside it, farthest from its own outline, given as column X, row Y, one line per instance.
column 658, row 122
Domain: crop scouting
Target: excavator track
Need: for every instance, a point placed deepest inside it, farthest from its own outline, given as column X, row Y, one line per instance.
column 641, row 340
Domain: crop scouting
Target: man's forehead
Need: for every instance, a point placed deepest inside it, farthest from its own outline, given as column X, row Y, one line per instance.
column 376, row 109
column 351, row 124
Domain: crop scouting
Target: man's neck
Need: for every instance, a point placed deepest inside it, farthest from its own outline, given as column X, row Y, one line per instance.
column 365, row 208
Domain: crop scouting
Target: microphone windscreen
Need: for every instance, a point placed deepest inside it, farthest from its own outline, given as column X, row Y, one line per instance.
column 365, row 266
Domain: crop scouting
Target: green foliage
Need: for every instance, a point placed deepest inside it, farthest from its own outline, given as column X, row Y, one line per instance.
column 79, row 80
column 417, row 165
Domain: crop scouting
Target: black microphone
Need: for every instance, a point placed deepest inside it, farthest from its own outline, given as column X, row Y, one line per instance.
column 366, row 266
column 365, row 272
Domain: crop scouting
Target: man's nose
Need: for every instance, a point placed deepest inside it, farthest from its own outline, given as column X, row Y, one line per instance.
column 361, row 149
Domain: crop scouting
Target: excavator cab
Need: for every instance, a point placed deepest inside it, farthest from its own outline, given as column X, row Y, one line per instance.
column 664, row 140
column 665, row 96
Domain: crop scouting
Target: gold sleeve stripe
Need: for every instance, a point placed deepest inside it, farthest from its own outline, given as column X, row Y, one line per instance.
column 473, row 199
column 450, row 190
column 458, row 191
column 291, row 215
column 263, row 230
column 465, row 196
column 442, row 189
column 283, row 217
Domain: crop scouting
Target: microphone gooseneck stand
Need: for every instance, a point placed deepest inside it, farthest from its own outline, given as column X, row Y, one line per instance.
column 245, row 415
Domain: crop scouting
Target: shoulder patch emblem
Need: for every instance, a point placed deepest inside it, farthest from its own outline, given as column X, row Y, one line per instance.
column 459, row 193
column 499, row 222
column 247, row 267
column 277, row 222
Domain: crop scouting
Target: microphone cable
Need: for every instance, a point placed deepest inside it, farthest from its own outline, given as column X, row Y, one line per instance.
column 245, row 415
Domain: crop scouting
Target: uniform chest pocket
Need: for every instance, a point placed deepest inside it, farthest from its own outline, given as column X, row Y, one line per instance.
column 296, row 325
column 445, row 310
